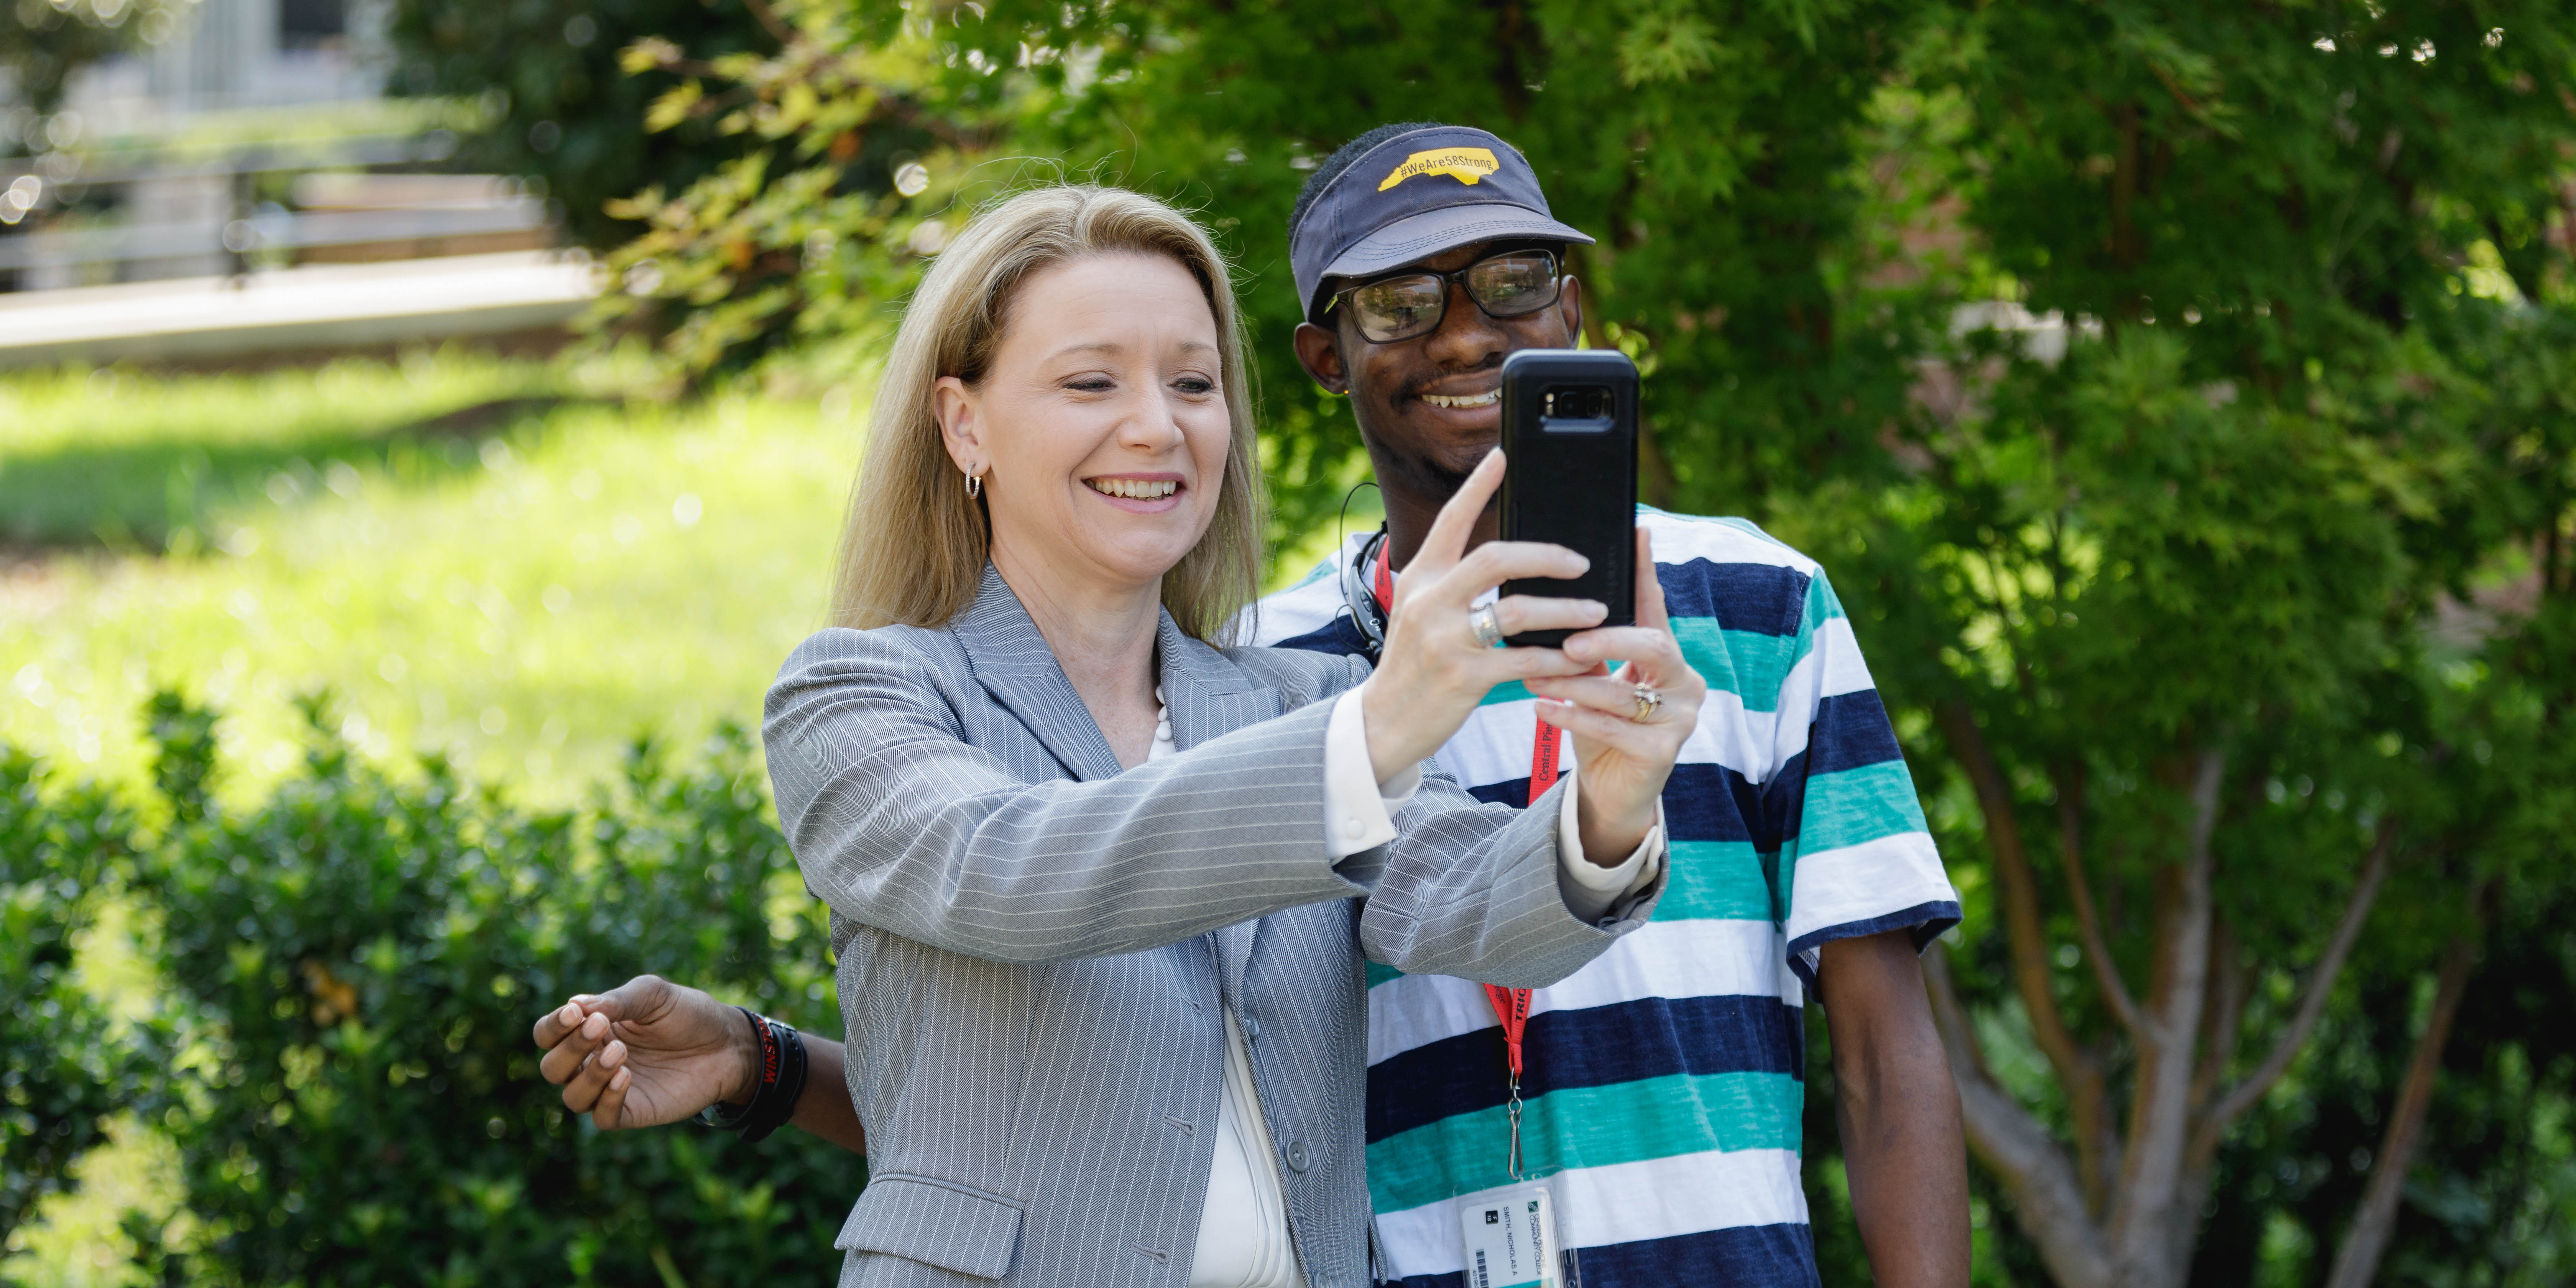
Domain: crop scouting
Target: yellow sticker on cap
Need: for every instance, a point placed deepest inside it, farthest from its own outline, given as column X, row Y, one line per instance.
column 1466, row 165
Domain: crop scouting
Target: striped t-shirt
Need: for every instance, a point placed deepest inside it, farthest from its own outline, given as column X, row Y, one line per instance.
column 1663, row 1082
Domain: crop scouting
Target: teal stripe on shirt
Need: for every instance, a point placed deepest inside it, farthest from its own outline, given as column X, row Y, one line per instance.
column 1624, row 1122
column 1822, row 604
column 1748, row 664
column 1852, row 806
column 1711, row 881
column 1718, row 881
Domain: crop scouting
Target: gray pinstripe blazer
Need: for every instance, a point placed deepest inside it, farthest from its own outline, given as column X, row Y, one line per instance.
column 1034, row 946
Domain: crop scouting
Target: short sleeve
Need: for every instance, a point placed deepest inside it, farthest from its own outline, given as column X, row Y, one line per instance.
column 1855, row 853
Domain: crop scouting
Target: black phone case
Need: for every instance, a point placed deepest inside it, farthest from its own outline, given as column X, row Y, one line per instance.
column 1572, row 480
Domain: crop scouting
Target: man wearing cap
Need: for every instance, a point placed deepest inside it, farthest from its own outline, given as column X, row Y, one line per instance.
column 1661, row 1087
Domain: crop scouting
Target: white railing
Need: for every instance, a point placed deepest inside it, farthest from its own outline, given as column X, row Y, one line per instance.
column 198, row 207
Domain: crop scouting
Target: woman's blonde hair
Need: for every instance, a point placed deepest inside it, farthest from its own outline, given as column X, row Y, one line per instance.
column 914, row 546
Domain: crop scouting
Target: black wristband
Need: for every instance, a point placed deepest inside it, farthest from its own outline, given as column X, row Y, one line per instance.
column 780, row 1086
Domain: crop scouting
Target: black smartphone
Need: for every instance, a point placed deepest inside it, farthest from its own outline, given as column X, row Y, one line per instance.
column 1570, row 443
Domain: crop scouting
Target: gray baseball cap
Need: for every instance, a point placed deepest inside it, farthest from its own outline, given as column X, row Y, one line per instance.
column 1412, row 197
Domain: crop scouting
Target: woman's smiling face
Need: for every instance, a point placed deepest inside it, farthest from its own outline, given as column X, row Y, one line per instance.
column 1100, row 426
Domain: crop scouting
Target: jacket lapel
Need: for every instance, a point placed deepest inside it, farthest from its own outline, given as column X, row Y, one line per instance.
column 1014, row 664
column 1207, row 694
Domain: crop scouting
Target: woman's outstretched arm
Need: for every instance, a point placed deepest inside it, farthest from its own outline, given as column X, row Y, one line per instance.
column 650, row 1052
column 900, row 824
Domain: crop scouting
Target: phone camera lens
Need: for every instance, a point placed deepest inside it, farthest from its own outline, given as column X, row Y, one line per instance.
column 1577, row 402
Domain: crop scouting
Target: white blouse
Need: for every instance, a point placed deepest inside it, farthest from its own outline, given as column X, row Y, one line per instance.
column 1243, row 1229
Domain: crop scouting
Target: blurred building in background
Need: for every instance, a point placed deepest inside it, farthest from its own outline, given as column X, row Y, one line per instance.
column 248, row 144
column 224, row 54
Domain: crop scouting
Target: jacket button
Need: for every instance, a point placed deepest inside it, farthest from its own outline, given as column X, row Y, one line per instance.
column 1251, row 1029
column 1297, row 1155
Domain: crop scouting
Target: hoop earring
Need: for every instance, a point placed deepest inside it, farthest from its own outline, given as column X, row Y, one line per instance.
column 974, row 486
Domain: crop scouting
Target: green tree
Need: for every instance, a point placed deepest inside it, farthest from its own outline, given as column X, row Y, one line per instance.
column 2170, row 598
column 559, row 105
column 1721, row 166
column 51, row 41
column 828, row 210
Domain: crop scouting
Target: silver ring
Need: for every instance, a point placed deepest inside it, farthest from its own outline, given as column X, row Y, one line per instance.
column 1487, row 624
column 1649, row 703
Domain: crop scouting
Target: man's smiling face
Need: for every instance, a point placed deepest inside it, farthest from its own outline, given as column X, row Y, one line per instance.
column 1430, row 406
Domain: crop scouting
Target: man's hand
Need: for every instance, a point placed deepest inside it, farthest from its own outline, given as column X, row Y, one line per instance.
column 647, row 1052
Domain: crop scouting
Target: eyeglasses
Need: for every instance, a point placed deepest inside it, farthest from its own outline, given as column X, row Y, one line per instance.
column 1509, row 285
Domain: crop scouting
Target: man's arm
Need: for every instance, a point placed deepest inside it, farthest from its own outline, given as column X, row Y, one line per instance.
column 825, row 1109
column 1903, row 1146
column 650, row 1052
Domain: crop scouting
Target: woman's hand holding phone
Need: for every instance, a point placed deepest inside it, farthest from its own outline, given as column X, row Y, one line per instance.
column 1625, row 761
column 1434, row 670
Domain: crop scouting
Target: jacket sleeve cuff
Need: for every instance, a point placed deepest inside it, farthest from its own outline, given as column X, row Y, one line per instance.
column 1591, row 890
column 1359, row 811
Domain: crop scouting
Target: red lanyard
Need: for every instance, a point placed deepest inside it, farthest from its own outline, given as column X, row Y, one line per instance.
column 1511, row 1005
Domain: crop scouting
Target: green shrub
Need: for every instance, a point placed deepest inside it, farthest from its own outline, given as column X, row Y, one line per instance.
column 65, row 1065
column 357, row 962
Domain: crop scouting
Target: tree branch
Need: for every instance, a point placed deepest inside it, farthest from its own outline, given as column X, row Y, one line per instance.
column 2357, row 1261
column 2048, row 1200
column 2021, row 894
column 2152, row 1169
column 2070, row 841
column 2312, row 1000
column 2077, row 1071
column 769, row 18
column 2225, row 1016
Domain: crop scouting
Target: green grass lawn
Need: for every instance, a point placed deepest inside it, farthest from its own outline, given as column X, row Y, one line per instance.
column 109, row 457
column 525, row 588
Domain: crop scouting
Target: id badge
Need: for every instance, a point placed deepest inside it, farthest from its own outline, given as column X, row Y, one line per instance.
column 1510, row 1240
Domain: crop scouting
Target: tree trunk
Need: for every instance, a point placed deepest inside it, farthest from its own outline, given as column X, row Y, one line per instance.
column 2150, row 1204
column 2048, row 1199
column 2357, row 1261
column 2142, row 1232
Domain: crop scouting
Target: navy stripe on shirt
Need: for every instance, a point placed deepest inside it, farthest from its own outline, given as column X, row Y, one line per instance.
column 1708, row 802
column 1337, row 637
column 1743, row 1256
column 1850, row 730
column 1702, row 802
column 1648, row 1037
column 1762, row 599
column 1924, row 921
